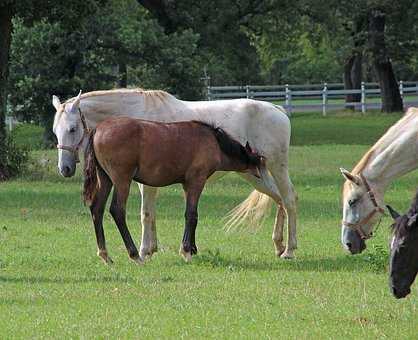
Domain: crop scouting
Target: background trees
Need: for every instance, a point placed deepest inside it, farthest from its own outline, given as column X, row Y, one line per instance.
column 58, row 48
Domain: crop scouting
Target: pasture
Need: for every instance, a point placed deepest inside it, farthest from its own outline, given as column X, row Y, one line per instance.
column 53, row 284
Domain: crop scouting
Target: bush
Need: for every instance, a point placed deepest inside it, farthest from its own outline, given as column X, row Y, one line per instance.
column 13, row 159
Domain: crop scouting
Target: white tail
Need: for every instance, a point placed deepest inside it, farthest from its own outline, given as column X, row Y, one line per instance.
column 254, row 209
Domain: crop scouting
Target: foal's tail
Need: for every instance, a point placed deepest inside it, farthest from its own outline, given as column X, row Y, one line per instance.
column 90, row 171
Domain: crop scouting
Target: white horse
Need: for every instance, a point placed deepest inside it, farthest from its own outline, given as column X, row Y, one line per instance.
column 393, row 155
column 265, row 126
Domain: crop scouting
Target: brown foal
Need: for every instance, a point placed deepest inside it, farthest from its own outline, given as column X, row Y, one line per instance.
column 123, row 149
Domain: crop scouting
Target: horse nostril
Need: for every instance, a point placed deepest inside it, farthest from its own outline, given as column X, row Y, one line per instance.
column 348, row 244
column 66, row 170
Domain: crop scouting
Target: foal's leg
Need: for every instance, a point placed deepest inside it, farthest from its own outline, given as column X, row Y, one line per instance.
column 118, row 212
column 193, row 191
column 97, row 209
column 149, row 231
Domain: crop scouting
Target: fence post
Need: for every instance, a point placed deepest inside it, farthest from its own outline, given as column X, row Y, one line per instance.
column 324, row 99
column 363, row 97
column 401, row 88
column 9, row 122
column 288, row 99
column 247, row 90
column 209, row 95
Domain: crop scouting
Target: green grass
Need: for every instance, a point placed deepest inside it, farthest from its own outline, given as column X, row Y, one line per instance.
column 28, row 135
column 336, row 100
column 53, row 284
column 343, row 128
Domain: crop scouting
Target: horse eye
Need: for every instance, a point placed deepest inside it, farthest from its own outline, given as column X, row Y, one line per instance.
column 352, row 202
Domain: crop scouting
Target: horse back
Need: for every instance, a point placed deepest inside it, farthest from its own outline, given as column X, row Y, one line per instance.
column 156, row 154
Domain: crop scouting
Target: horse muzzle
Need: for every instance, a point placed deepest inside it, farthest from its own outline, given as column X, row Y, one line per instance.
column 400, row 293
column 67, row 171
column 352, row 241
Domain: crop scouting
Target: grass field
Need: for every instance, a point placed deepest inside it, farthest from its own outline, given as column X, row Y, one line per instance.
column 54, row 286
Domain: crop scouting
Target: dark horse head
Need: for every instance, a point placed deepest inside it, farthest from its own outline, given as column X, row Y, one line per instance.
column 249, row 159
column 404, row 251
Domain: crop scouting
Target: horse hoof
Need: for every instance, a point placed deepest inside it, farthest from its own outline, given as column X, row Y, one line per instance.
column 187, row 256
column 280, row 251
column 288, row 255
column 138, row 260
column 145, row 255
column 105, row 258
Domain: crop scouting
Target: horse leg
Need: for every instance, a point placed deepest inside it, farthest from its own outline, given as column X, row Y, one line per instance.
column 289, row 197
column 97, row 209
column 272, row 192
column 149, row 231
column 192, row 191
column 118, row 212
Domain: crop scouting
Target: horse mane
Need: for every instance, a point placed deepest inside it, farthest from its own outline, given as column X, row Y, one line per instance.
column 363, row 162
column 151, row 97
column 390, row 135
column 400, row 228
column 231, row 147
column 140, row 91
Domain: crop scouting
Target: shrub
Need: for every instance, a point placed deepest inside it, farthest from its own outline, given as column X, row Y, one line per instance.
column 13, row 159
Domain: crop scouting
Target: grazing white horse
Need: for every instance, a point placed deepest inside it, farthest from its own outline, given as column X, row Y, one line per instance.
column 264, row 125
column 393, row 155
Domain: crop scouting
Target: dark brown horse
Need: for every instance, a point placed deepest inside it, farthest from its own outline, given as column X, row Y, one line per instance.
column 404, row 250
column 157, row 154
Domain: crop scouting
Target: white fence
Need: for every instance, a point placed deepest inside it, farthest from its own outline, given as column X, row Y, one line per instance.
column 314, row 97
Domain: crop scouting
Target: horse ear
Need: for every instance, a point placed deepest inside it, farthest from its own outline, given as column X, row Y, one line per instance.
column 393, row 212
column 350, row 177
column 73, row 107
column 248, row 147
column 412, row 220
column 56, row 102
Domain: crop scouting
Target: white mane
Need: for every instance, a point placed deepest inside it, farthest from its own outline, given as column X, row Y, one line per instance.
column 121, row 102
column 395, row 131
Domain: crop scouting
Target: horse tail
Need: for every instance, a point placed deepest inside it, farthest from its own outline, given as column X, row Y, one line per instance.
column 90, row 170
column 252, row 210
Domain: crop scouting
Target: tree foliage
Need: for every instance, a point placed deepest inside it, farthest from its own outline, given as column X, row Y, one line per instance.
column 53, row 57
column 61, row 47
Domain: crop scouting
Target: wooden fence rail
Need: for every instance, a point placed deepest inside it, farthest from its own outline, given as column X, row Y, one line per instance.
column 315, row 96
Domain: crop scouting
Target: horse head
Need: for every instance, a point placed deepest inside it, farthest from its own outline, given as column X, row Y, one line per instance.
column 361, row 211
column 69, row 129
column 403, row 252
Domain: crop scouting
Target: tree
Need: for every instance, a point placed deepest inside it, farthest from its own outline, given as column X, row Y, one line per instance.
column 224, row 44
column 117, row 45
column 31, row 11
column 391, row 98
column 6, row 15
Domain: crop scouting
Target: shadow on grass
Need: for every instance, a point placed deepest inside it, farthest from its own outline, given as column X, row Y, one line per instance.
column 65, row 280
column 343, row 263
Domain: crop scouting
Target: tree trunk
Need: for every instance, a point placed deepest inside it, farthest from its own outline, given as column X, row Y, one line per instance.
column 348, row 83
column 352, row 78
column 122, row 73
column 6, row 15
column 391, row 97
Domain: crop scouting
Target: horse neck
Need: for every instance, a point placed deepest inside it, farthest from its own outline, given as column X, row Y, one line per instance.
column 391, row 161
column 133, row 104
column 231, row 164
